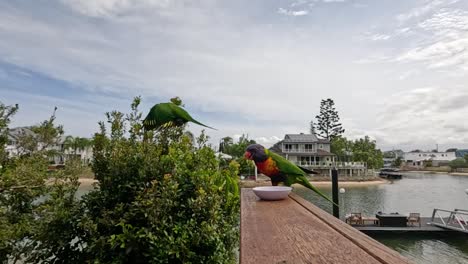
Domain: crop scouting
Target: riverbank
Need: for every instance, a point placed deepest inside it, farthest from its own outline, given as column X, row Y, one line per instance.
column 437, row 172
column 267, row 182
column 252, row 183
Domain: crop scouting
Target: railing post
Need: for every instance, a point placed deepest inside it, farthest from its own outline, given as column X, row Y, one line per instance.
column 336, row 210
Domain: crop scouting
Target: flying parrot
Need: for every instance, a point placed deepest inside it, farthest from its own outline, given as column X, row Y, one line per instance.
column 167, row 115
column 279, row 169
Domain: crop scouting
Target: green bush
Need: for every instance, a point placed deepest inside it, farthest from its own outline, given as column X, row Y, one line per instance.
column 458, row 163
column 160, row 198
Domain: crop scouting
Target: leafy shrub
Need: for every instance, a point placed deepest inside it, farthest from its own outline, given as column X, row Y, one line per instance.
column 161, row 197
column 458, row 163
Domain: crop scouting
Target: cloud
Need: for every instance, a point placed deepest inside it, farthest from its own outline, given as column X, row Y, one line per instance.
column 427, row 116
column 379, row 37
column 241, row 70
column 109, row 8
column 447, row 41
column 291, row 12
column 334, row 1
column 424, row 9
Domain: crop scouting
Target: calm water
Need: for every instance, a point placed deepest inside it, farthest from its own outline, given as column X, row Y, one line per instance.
column 419, row 193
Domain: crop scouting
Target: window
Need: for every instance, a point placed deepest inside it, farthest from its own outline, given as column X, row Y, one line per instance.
column 308, row 147
column 287, row 147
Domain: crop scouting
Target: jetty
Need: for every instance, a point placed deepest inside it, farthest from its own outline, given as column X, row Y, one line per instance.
column 442, row 221
column 426, row 227
column 296, row 231
column 450, row 220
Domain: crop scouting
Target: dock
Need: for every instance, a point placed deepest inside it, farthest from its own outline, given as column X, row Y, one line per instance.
column 426, row 227
column 296, row 231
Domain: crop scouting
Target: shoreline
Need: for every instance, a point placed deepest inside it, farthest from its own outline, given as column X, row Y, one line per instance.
column 252, row 183
column 437, row 172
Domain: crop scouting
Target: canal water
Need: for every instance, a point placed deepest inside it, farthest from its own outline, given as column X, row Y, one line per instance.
column 418, row 193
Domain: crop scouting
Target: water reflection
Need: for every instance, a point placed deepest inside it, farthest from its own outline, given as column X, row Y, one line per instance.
column 416, row 192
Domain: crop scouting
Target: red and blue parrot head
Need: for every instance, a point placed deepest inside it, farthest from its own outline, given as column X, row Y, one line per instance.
column 255, row 152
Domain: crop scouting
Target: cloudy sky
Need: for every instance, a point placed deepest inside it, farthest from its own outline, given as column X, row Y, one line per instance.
column 397, row 70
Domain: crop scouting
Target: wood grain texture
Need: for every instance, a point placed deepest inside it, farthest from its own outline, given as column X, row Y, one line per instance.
column 295, row 231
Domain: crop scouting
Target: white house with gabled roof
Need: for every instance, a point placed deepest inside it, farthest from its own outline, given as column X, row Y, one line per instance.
column 308, row 151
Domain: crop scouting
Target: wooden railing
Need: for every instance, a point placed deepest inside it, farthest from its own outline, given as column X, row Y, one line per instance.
column 296, row 231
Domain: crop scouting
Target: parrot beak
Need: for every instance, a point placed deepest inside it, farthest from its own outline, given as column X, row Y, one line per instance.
column 247, row 155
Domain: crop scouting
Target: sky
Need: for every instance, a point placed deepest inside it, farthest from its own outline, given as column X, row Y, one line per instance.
column 397, row 70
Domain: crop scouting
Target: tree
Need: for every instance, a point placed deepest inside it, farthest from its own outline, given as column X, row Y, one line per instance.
column 161, row 198
column 451, row 150
column 237, row 150
column 34, row 200
column 361, row 150
column 458, row 163
column 397, row 162
column 364, row 150
column 342, row 148
column 312, row 128
column 466, row 157
column 6, row 113
column 225, row 144
column 327, row 125
column 77, row 143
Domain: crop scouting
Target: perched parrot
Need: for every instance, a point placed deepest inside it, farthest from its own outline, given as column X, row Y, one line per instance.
column 166, row 115
column 279, row 169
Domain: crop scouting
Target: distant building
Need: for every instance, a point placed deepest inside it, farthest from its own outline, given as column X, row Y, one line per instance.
column 420, row 159
column 63, row 153
column 460, row 153
column 308, row 151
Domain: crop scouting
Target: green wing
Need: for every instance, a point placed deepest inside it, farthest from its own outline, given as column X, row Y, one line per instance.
column 159, row 115
column 167, row 114
column 294, row 174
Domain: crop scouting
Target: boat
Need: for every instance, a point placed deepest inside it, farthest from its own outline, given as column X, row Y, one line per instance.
column 390, row 173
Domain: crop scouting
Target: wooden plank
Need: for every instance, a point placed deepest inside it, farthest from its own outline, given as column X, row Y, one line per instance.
column 374, row 248
column 288, row 232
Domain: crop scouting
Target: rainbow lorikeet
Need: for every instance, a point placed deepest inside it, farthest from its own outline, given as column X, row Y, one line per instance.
column 279, row 169
column 167, row 115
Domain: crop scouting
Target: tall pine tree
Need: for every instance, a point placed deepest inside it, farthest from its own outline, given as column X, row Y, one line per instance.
column 328, row 123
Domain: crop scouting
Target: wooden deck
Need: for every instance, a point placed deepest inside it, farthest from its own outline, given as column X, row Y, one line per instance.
column 296, row 231
column 425, row 228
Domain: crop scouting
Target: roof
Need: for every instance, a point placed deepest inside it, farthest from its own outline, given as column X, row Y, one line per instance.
column 300, row 138
column 460, row 153
column 14, row 133
column 321, row 152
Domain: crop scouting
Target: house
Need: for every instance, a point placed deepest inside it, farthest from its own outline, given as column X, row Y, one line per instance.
column 308, row 151
column 461, row 153
column 63, row 152
column 421, row 159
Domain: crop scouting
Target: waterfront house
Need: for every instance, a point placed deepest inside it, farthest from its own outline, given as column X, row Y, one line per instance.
column 308, row 151
column 421, row 159
column 63, row 153
column 461, row 153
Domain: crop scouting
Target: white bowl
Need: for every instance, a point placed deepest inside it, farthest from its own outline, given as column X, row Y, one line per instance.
column 272, row 193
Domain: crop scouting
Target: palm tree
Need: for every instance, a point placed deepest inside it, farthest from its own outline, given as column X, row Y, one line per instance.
column 76, row 143
column 225, row 143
